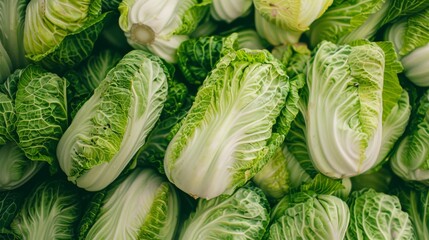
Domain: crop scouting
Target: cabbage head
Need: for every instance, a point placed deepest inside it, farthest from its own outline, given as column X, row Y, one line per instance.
column 351, row 91
column 227, row 134
column 114, row 122
column 375, row 215
column 61, row 33
column 142, row 205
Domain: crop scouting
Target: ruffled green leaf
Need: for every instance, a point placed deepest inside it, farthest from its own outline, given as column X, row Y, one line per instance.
column 376, row 215
column 41, row 111
column 346, row 21
column 60, row 34
column 410, row 159
column 243, row 215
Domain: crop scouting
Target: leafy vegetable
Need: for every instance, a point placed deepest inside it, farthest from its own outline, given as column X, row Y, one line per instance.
column 60, row 34
column 197, row 57
column 376, row 215
column 228, row 130
column 144, row 206
column 416, row 204
column 318, row 217
column 114, row 122
column 346, row 21
column 41, row 113
column 51, row 211
column 163, row 32
column 243, row 215
column 411, row 38
column 16, row 168
column 410, row 159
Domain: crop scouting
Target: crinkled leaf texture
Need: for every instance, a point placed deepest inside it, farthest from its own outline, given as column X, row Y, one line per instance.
column 375, row 215
column 114, row 122
column 243, row 215
column 318, row 217
column 143, row 205
column 410, row 159
column 228, row 131
column 346, row 21
column 7, row 119
column 60, row 34
column 411, row 38
column 41, row 111
column 198, row 56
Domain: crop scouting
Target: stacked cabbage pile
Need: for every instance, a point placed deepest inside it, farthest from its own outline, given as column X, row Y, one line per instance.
column 214, row 119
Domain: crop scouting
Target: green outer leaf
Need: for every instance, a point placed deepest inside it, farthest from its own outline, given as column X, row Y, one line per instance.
column 155, row 219
column 41, row 110
column 394, row 126
column 50, row 211
column 297, row 174
column 318, row 217
column 198, row 56
column 410, row 159
column 7, row 119
column 273, row 178
column 399, row 8
column 376, row 215
column 296, row 144
column 91, row 212
column 228, row 130
column 192, row 16
column 16, row 169
column 96, row 67
column 47, row 23
column 113, row 124
column 392, row 90
column 10, row 86
column 242, row 215
column 84, row 79
column 161, row 220
column 347, row 21
column 416, row 204
column 417, row 32
column 74, row 48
